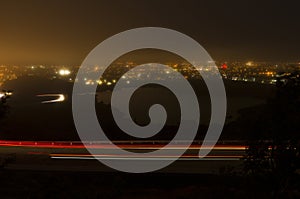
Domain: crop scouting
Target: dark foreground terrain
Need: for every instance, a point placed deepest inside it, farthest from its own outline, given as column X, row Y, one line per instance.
column 29, row 119
column 21, row 184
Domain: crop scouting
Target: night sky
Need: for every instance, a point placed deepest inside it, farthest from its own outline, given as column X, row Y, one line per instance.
column 63, row 32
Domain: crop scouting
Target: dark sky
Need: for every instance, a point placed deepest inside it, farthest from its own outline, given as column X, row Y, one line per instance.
column 63, row 32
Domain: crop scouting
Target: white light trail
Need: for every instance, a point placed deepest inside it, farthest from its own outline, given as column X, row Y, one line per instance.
column 60, row 98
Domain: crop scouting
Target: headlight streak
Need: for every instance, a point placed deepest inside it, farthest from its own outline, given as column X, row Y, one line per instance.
column 60, row 98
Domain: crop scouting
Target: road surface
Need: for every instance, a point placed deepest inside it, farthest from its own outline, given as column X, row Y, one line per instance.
column 73, row 156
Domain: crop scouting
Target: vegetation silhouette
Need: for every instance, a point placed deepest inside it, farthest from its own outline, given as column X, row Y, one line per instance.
column 273, row 149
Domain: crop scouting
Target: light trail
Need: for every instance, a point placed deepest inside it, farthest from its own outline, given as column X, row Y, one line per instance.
column 143, row 157
column 220, row 152
column 60, row 98
column 79, row 145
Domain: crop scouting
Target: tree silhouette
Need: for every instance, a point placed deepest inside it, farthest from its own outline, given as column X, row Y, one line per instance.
column 3, row 105
column 276, row 151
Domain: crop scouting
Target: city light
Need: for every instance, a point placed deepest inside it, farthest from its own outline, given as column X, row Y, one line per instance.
column 64, row 72
column 5, row 94
column 249, row 63
column 260, row 72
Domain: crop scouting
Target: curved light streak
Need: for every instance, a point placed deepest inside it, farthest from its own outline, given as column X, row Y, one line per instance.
column 60, row 98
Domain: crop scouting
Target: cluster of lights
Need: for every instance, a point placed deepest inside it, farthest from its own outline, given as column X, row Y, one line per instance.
column 5, row 94
column 249, row 63
column 99, row 82
column 64, row 72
